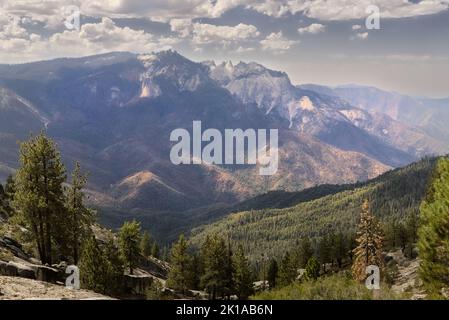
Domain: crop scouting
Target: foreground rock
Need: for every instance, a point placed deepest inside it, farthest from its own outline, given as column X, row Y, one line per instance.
column 15, row 288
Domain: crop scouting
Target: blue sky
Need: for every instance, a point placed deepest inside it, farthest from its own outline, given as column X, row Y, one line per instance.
column 320, row 41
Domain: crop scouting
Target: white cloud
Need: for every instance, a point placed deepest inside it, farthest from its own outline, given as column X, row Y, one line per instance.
column 241, row 49
column 208, row 33
column 362, row 35
column 330, row 10
column 183, row 27
column 93, row 38
column 51, row 11
column 314, row 28
column 277, row 42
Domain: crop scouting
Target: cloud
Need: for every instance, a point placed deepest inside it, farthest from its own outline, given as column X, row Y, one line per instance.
column 335, row 10
column 51, row 11
column 183, row 27
column 92, row 38
column 314, row 28
column 361, row 36
column 208, row 33
column 277, row 42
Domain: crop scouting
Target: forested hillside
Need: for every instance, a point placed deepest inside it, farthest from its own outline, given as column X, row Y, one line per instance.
column 395, row 195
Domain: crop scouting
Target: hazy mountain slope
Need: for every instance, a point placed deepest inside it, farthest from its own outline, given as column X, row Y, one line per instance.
column 430, row 115
column 18, row 119
column 304, row 110
column 273, row 231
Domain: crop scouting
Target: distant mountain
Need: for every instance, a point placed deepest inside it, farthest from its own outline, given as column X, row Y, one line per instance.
column 430, row 116
column 115, row 112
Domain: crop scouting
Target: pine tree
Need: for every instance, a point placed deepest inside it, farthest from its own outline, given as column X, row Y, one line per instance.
column 39, row 194
column 312, row 269
column 242, row 278
column 129, row 240
column 214, row 258
column 228, row 288
column 433, row 233
column 10, row 191
column 305, row 252
column 369, row 244
column 94, row 267
column 272, row 273
column 180, row 276
column 340, row 249
column 80, row 217
column 155, row 250
column 325, row 251
column 145, row 244
column 115, row 268
column 287, row 270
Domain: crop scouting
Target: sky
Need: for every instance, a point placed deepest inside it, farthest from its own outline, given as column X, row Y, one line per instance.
column 324, row 42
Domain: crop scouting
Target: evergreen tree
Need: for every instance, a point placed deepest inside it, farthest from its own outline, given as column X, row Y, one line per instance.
column 325, row 251
column 229, row 271
column 180, row 276
column 10, row 191
column 39, row 194
column 272, row 273
column 7, row 197
column 129, row 240
column 340, row 249
column 115, row 268
column 80, row 217
column 433, row 233
column 242, row 278
column 94, row 268
column 145, row 244
column 312, row 269
column 155, row 250
column 369, row 244
column 214, row 258
column 287, row 270
column 305, row 252
column 197, row 271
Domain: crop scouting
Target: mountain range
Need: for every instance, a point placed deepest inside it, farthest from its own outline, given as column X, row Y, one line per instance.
column 114, row 113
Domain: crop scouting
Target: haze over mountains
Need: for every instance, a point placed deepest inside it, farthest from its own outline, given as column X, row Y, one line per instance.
column 115, row 112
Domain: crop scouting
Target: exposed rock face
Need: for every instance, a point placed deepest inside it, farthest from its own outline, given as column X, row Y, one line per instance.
column 14, row 288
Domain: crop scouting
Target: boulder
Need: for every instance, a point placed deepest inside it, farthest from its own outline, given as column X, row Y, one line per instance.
column 24, row 271
column 47, row 274
column 137, row 285
column 14, row 247
column 7, row 270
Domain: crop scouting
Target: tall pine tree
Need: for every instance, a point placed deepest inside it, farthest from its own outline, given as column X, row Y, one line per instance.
column 287, row 270
column 180, row 276
column 39, row 194
column 129, row 241
column 242, row 278
column 145, row 244
column 433, row 233
column 272, row 273
column 369, row 244
column 80, row 217
column 214, row 260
